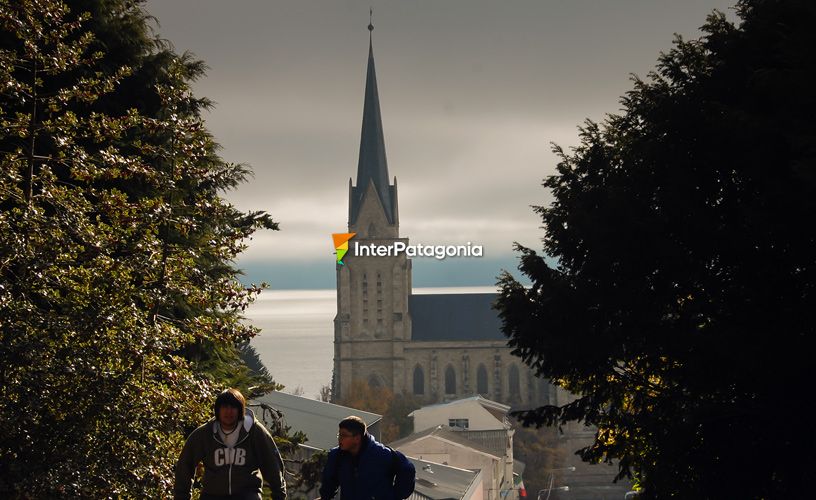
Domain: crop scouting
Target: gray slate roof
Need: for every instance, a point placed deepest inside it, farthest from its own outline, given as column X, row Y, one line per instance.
column 462, row 316
column 441, row 482
column 316, row 419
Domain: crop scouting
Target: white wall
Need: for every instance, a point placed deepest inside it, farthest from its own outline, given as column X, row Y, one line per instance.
column 476, row 491
column 479, row 418
column 431, row 448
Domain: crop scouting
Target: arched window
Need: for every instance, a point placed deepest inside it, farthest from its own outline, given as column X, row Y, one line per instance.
column 419, row 381
column 515, row 386
column 374, row 381
column 481, row 380
column 450, row 380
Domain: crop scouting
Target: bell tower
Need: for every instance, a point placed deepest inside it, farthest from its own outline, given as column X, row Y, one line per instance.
column 372, row 321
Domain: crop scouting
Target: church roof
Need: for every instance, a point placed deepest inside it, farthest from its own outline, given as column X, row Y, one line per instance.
column 372, row 166
column 464, row 316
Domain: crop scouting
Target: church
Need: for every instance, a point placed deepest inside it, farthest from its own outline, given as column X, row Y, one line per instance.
column 434, row 347
column 437, row 348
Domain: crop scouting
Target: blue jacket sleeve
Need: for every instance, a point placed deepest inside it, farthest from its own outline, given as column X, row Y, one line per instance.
column 405, row 476
column 329, row 481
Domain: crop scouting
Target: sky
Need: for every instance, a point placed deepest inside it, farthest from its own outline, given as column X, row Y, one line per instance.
column 473, row 95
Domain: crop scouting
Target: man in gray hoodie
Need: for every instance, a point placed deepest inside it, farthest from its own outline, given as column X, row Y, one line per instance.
column 236, row 450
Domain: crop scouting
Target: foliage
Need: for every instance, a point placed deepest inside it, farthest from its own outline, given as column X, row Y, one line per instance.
column 397, row 414
column 116, row 290
column 302, row 469
column 394, row 409
column 250, row 357
column 536, row 448
column 311, row 471
column 325, row 393
column 683, row 299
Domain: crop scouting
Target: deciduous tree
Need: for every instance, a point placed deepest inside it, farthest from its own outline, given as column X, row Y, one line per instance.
column 381, row 400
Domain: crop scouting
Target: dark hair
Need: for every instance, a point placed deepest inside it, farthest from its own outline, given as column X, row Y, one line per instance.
column 355, row 425
column 230, row 397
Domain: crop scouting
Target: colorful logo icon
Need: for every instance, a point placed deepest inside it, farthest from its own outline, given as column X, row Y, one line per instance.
column 341, row 245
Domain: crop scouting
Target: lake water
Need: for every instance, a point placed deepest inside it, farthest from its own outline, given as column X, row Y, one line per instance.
column 296, row 342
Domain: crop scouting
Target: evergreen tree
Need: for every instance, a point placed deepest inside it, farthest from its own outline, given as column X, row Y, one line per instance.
column 682, row 302
column 120, row 314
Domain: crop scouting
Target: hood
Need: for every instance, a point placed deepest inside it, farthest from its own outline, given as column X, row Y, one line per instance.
column 249, row 420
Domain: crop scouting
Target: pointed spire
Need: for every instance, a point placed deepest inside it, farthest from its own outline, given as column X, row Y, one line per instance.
column 372, row 165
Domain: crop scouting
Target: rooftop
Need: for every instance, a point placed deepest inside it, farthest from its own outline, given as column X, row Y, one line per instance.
column 464, row 316
column 494, row 443
column 498, row 410
column 317, row 419
column 441, row 482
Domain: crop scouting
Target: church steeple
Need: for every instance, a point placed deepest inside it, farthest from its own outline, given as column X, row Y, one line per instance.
column 372, row 166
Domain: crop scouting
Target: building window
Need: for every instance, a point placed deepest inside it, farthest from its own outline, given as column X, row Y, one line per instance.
column 450, row 380
column 481, row 380
column 419, row 381
column 458, row 423
column 515, row 386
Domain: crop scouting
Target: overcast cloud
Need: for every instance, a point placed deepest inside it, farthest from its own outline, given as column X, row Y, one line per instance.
column 472, row 94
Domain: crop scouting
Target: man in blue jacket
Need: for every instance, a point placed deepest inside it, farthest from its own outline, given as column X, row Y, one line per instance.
column 364, row 468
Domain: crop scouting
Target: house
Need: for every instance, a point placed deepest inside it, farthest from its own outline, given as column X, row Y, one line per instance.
column 318, row 420
column 474, row 413
column 489, row 451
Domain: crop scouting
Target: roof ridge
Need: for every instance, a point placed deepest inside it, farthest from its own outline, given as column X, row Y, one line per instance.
column 317, row 402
